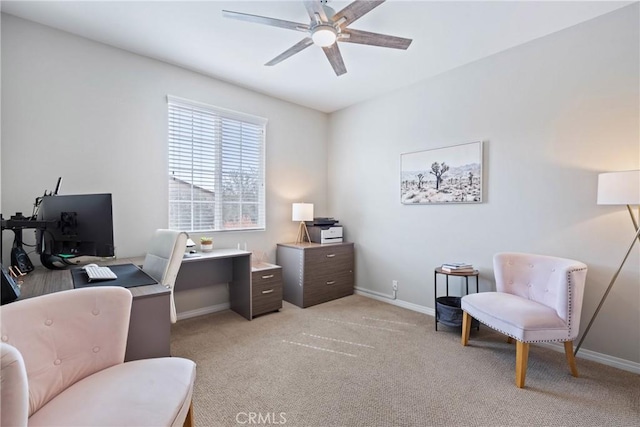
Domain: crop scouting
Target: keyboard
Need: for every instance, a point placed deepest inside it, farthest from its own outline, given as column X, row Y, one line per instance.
column 99, row 273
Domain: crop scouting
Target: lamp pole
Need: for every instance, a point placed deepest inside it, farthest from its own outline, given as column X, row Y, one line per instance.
column 613, row 280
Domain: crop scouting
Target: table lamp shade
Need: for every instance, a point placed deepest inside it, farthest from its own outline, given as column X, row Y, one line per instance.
column 302, row 212
column 619, row 188
column 190, row 243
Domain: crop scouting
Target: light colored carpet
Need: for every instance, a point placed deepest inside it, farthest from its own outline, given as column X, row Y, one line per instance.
column 360, row 362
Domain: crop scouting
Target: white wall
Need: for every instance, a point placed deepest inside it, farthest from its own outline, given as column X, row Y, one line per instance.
column 553, row 114
column 97, row 116
column 0, row 117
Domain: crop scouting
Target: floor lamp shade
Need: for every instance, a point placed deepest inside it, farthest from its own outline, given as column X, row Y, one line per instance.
column 302, row 212
column 619, row 188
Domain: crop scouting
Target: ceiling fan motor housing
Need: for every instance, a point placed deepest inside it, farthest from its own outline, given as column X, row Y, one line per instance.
column 324, row 35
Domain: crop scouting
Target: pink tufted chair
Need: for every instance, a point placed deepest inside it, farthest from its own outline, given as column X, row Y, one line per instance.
column 63, row 365
column 538, row 299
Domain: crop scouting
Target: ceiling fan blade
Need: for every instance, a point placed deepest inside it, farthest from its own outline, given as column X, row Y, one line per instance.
column 302, row 44
column 335, row 58
column 314, row 7
column 266, row 21
column 374, row 39
column 354, row 11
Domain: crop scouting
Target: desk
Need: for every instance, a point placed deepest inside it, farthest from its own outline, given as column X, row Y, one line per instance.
column 150, row 325
column 220, row 266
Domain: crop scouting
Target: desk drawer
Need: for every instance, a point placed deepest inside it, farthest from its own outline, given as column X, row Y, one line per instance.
column 266, row 291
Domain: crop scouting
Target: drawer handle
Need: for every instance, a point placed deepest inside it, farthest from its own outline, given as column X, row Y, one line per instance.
column 268, row 276
column 333, row 282
column 331, row 255
column 268, row 291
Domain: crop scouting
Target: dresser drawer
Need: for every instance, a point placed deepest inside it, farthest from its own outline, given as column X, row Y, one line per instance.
column 328, row 260
column 266, row 291
column 327, row 287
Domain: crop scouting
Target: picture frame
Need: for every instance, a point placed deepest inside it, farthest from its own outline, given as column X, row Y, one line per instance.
column 450, row 174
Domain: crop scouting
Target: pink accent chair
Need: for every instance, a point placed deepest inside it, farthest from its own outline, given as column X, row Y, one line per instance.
column 538, row 299
column 63, row 365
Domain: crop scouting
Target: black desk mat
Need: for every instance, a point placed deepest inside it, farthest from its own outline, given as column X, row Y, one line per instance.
column 129, row 276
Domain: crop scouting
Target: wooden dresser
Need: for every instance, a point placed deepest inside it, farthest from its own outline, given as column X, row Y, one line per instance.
column 314, row 273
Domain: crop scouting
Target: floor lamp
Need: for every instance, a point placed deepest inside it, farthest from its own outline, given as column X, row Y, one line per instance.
column 617, row 188
column 302, row 212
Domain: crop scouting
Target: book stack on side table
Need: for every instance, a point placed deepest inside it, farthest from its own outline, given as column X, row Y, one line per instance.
column 457, row 267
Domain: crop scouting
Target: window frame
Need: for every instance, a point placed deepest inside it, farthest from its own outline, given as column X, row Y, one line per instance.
column 219, row 114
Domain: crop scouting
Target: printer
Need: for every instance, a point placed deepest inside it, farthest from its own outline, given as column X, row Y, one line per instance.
column 324, row 230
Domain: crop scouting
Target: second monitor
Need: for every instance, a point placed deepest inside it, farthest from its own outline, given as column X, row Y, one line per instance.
column 84, row 226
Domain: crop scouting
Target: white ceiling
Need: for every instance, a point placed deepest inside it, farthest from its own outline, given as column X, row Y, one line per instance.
column 194, row 35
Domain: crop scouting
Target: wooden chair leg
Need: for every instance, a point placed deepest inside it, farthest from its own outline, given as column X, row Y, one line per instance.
column 188, row 422
column 466, row 327
column 522, row 357
column 568, row 351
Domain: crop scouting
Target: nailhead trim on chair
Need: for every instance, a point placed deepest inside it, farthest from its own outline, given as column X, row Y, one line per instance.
column 570, row 299
column 516, row 338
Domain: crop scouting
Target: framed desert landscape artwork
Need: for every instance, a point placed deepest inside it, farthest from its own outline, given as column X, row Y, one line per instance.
column 442, row 175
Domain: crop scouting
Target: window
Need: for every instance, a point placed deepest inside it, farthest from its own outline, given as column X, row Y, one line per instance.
column 216, row 168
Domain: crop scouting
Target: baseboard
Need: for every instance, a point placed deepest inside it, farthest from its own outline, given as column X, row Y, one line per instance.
column 605, row 359
column 404, row 304
column 204, row 310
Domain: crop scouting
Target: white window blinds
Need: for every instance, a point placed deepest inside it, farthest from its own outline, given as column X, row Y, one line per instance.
column 216, row 168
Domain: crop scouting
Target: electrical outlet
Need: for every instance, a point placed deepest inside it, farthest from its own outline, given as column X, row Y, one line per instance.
column 394, row 283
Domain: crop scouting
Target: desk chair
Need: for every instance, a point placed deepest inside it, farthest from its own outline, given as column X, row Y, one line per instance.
column 163, row 260
column 538, row 299
column 63, row 365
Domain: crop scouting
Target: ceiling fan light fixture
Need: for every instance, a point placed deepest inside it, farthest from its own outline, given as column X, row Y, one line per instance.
column 324, row 35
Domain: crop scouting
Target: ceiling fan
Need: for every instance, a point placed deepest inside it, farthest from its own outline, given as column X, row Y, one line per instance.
column 326, row 28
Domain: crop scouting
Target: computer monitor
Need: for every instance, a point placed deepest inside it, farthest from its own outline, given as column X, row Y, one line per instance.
column 84, row 226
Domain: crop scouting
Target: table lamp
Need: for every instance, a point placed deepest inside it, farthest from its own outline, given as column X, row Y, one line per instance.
column 302, row 212
column 617, row 188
